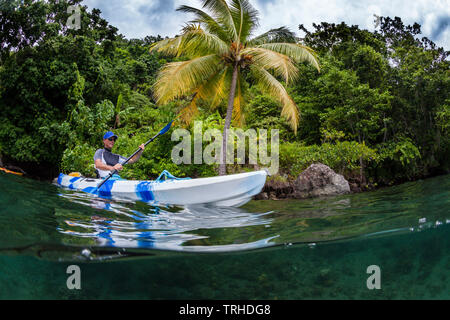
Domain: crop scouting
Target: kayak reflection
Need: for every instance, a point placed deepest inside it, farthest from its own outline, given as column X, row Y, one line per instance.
column 138, row 225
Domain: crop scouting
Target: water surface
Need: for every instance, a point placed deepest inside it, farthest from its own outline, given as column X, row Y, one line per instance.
column 310, row 249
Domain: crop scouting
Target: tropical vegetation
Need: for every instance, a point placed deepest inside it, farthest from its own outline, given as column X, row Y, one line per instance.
column 378, row 111
column 220, row 48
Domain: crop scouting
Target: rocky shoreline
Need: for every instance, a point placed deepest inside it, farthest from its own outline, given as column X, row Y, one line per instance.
column 317, row 180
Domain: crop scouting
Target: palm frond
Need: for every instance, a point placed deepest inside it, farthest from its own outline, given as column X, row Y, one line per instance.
column 198, row 42
column 193, row 42
column 282, row 34
column 211, row 90
column 170, row 46
column 220, row 88
column 274, row 88
column 208, row 22
column 178, row 79
column 267, row 59
column 296, row 51
column 190, row 111
column 245, row 18
column 222, row 14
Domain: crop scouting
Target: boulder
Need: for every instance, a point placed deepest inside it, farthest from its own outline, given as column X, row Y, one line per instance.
column 319, row 180
column 262, row 196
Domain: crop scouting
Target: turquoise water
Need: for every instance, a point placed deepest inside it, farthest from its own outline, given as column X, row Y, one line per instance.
column 312, row 249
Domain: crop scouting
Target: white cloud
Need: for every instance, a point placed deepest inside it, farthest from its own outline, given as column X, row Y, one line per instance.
column 292, row 13
column 138, row 18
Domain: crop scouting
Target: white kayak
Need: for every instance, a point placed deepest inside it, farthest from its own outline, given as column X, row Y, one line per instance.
column 230, row 191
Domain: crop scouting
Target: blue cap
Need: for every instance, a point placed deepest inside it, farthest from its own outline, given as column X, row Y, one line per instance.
column 109, row 134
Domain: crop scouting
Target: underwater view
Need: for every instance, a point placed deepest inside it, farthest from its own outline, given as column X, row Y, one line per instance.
column 174, row 152
column 392, row 243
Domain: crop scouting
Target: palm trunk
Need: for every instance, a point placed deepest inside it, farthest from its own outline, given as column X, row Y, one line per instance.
column 117, row 122
column 223, row 163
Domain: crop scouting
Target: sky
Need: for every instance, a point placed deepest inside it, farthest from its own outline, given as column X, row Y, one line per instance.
column 139, row 18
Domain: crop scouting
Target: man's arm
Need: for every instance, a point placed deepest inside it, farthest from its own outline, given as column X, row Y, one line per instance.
column 100, row 165
column 138, row 155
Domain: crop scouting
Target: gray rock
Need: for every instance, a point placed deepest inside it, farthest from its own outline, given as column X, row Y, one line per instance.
column 262, row 196
column 319, row 180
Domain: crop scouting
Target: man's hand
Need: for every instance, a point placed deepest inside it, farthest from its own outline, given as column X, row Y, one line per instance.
column 118, row 167
column 142, row 146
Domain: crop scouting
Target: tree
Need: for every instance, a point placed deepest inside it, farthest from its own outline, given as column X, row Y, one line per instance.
column 408, row 82
column 26, row 23
column 340, row 39
column 219, row 46
column 42, row 62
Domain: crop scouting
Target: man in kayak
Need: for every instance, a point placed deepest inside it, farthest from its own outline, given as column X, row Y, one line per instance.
column 106, row 161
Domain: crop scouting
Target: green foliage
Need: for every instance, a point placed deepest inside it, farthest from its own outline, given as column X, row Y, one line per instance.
column 403, row 151
column 350, row 106
column 370, row 66
column 79, row 159
column 263, row 112
column 381, row 98
column 342, row 156
column 443, row 119
column 397, row 160
column 443, row 141
column 386, row 89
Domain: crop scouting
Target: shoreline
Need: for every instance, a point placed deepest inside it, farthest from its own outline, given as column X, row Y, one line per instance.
column 276, row 188
column 272, row 191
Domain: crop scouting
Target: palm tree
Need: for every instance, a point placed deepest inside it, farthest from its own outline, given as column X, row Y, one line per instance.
column 219, row 46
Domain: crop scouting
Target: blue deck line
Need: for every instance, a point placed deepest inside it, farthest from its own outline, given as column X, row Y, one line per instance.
column 146, row 240
column 106, row 234
column 105, row 189
column 144, row 191
column 60, row 178
column 92, row 190
column 72, row 181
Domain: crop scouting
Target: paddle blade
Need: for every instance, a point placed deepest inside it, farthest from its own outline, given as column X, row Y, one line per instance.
column 166, row 128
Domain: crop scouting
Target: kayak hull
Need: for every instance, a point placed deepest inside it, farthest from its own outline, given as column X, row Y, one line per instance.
column 230, row 191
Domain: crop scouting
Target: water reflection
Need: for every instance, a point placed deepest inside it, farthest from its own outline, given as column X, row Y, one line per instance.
column 139, row 225
column 51, row 222
column 120, row 224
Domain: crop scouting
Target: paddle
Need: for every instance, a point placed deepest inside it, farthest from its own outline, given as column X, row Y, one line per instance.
column 164, row 130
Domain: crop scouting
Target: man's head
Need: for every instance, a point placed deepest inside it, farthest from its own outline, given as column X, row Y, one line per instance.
column 108, row 139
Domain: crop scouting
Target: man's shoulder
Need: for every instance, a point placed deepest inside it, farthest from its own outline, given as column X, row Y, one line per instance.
column 98, row 153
